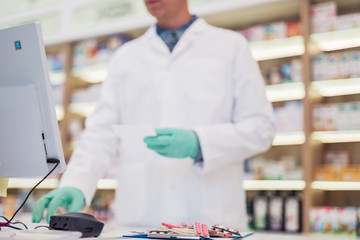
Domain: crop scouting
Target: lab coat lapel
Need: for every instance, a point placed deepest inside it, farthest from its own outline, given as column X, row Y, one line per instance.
column 188, row 37
column 156, row 42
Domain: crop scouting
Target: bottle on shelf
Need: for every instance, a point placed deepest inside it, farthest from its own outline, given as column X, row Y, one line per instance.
column 276, row 212
column 292, row 210
column 260, row 211
column 250, row 214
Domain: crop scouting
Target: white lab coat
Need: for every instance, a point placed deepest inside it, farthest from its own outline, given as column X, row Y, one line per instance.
column 209, row 83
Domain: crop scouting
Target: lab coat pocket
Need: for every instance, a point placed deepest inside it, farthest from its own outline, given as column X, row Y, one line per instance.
column 131, row 193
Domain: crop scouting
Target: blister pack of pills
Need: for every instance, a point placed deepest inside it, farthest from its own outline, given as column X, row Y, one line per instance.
column 190, row 231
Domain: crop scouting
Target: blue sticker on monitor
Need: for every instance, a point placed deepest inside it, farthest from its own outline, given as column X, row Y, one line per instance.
column 17, row 45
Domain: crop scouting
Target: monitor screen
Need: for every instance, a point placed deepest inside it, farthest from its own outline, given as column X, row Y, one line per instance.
column 29, row 133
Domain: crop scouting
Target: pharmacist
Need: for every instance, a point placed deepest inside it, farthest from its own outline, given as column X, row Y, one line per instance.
column 199, row 86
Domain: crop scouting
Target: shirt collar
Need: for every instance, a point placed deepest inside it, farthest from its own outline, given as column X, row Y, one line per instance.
column 171, row 37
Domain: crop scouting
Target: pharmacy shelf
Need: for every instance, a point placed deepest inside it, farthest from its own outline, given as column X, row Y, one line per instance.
column 277, row 48
column 70, row 21
column 52, row 183
column 18, row 183
column 286, row 185
column 289, row 138
column 57, row 77
column 111, row 184
column 330, row 41
column 265, row 50
column 285, row 92
column 330, row 88
column 59, row 109
column 335, row 186
column 83, row 108
column 336, row 136
column 94, row 73
column 107, row 184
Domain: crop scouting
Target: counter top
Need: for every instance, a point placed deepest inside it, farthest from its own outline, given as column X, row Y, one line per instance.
column 261, row 236
column 111, row 232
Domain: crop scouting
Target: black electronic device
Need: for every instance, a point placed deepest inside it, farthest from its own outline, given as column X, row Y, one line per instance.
column 75, row 221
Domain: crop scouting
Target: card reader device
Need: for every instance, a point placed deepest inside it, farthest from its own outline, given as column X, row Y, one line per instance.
column 87, row 224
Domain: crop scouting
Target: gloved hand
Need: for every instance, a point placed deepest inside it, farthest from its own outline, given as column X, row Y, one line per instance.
column 174, row 142
column 70, row 197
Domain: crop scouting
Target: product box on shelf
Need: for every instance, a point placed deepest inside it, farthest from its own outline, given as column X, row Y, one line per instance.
column 336, row 116
column 55, row 61
column 323, row 16
column 290, row 71
column 289, row 117
column 332, row 66
column 276, row 30
column 347, row 21
column 284, row 168
column 337, row 158
column 90, row 94
column 93, row 51
column 337, row 173
column 57, row 90
column 293, row 29
column 334, row 220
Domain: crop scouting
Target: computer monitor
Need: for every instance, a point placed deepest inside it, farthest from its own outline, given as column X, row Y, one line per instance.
column 29, row 132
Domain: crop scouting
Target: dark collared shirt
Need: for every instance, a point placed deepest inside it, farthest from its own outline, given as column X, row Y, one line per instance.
column 171, row 37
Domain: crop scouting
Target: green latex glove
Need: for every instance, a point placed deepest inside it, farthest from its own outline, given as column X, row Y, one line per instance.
column 174, row 142
column 70, row 197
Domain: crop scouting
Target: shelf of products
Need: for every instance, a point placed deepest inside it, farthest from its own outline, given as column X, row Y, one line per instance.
column 341, row 222
column 335, row 118
column 275, row 211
